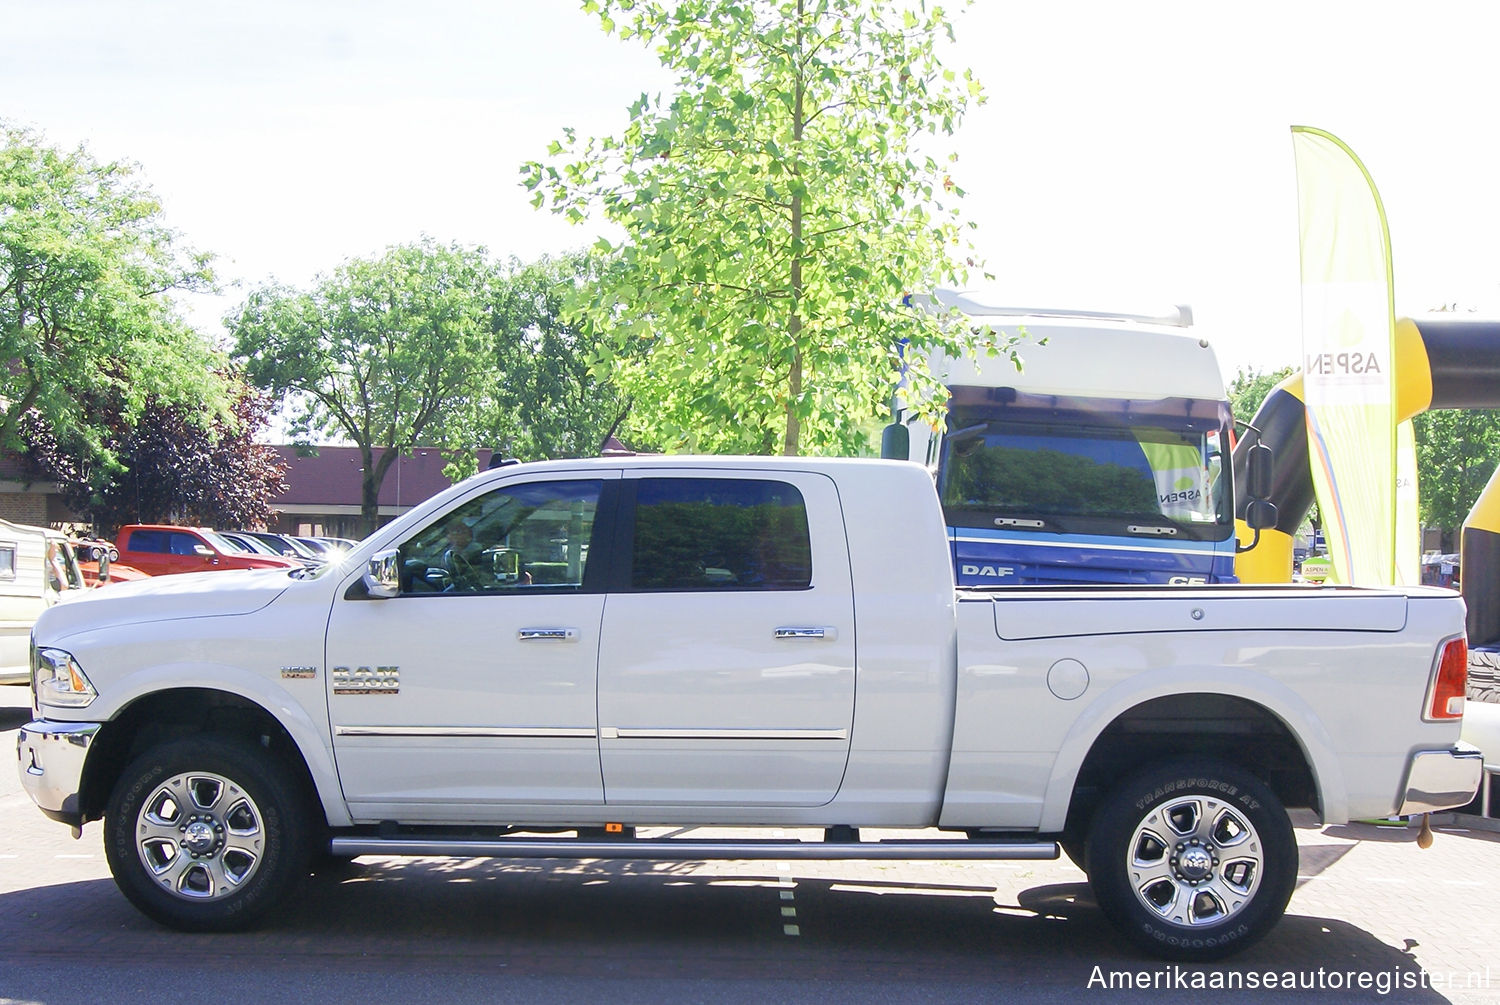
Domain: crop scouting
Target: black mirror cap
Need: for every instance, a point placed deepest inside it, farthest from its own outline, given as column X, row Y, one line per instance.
column 1261, row 470
column 895, row 442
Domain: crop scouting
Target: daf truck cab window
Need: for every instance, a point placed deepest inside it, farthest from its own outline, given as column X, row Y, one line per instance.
column 1144, row 475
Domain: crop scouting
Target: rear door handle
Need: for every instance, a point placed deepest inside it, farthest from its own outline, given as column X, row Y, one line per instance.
column 807, row 633
column 547, row 634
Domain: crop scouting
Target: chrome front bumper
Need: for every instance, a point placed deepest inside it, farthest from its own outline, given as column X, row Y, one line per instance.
column 1441, row 779
column 51, row 756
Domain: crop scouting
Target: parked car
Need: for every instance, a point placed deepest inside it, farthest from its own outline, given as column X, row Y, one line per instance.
column 160, row 550
column 114, row 572
column 287, row 547
column 248, row 543
column 91, row 549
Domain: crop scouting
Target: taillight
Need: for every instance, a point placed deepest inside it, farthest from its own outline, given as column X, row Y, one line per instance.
column 1445, row 697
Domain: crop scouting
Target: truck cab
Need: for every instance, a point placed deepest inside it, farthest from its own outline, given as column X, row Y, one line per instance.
column 1101, row 460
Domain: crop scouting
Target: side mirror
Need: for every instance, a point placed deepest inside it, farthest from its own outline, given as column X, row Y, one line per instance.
column 1260, row 471
column 383, row 576
column 204, row 550
column 1260, row 512
column 1260, row 515
column 895, row 442
column 103, row 565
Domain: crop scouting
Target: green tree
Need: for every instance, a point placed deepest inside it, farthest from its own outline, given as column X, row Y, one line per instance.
column 172, row 467
column 1457, row 452
column 777, row 207
column 87, row 273
column 1251, row 387
column 547, row 398
column 386, row 352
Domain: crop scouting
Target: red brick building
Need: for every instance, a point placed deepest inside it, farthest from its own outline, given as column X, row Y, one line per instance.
column 323, row 492
column 322, row 496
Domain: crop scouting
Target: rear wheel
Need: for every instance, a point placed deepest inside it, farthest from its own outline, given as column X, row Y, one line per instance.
column 205, row 834
column 1192, row 860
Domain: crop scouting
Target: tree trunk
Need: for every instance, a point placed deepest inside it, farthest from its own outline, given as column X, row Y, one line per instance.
column 369, row 492
column 791, row 445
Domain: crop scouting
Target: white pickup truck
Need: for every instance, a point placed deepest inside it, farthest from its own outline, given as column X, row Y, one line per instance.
column 549, row 656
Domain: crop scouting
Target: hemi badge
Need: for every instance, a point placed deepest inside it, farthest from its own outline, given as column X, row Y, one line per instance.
column 298, row 673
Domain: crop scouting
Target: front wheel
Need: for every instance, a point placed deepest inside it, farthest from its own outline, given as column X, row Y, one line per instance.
column 1192, row 860
column 204, row 834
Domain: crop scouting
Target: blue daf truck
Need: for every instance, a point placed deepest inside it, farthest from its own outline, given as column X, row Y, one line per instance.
column 1104, row 459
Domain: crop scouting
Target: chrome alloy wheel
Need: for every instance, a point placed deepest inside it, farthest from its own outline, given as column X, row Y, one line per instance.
column 1195, row 861
column 200, row 836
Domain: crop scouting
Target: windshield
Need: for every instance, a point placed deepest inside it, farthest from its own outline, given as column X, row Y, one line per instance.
column 1132, row 478
column 254, row 546
column 224, row 547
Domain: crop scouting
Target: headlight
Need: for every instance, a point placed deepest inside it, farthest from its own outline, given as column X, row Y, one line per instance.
column 57, row 679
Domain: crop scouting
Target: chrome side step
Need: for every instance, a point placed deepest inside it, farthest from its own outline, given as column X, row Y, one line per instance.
column 681, row 849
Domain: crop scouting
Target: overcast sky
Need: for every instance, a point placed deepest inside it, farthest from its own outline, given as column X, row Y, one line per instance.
column 1135, row 154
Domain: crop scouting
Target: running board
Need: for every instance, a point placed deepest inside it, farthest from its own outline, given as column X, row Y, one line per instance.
column 680, row 849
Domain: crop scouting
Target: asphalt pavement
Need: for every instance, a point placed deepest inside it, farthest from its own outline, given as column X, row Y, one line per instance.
column 1374, row 918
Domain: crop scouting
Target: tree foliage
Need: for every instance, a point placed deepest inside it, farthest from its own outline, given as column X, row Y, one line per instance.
column 87, row 270
column 172, row 467
column 777, row 207
column 1250, row 388
column 546, row 398
column 386, row 352
column 1457, row 452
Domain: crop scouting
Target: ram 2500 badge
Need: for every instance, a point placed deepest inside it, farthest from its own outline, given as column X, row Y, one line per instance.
column 589, row 647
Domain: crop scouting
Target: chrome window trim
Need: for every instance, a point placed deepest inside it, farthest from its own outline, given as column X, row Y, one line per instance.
column 461, row 731
column 727, row 734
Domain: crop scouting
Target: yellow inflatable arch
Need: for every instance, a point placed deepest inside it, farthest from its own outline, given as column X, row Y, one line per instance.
column 1440, row 363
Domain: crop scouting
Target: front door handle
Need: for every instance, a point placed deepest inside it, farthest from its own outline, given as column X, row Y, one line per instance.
column 547, row 634
column 807, row 633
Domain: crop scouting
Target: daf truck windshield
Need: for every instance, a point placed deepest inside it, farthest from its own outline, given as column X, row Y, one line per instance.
column 1141, row 478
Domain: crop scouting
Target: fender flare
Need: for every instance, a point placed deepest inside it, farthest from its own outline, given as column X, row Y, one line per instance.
column 309, row 736
column 1301, row 721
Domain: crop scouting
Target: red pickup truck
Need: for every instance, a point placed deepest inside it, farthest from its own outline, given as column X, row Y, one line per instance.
column 160, row 550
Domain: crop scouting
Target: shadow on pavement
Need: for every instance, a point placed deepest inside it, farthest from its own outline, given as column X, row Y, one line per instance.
column 1403, row 834
column 12, row 717
column 670, row 921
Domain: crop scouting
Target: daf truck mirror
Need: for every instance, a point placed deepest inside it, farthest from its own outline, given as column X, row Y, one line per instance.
column 895, row 442
column 1261, row 470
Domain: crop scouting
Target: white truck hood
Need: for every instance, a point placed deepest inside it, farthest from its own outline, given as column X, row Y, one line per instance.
column 164, row 598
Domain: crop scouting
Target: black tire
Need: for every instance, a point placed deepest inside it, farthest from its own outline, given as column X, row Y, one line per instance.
column 1076, row 849
column 218, row 861
column 1192, row 859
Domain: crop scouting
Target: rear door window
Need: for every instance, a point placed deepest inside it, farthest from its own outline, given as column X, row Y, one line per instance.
column 707, row 534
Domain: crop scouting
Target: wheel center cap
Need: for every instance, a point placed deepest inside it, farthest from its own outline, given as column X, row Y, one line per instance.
column 1195, row 863
column 199, row 837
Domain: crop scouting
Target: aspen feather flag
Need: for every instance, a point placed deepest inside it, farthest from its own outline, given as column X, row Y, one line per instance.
column 1408, row 519
column 1348, row 338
